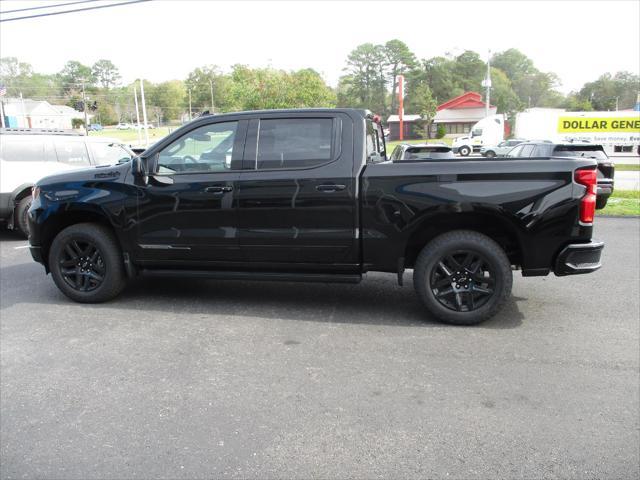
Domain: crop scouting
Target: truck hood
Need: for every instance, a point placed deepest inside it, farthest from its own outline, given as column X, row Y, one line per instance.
column 98, row 173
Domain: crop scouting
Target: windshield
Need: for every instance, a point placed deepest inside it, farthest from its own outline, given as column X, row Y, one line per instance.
column 427, row 153
column 586, row 151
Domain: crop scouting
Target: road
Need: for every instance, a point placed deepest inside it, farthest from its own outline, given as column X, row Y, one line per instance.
column 213, row 379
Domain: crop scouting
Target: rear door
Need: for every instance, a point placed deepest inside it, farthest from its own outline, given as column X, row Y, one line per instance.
column 297, row 192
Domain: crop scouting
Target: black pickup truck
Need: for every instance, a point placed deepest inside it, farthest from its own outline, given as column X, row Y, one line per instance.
column 309, row 195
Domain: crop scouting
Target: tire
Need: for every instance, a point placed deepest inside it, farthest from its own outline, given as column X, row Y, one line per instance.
column 490, row 154
column 86, row 263
column 601, row 202
column 464, row 151
column 21, row 221
column 473, row 293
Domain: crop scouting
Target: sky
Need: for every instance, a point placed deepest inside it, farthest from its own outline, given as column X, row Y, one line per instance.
column 166, row 39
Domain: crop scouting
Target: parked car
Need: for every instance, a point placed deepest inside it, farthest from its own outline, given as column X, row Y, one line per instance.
column 545, row 148
column 150, row 126
column 309, row 195
column 421, row 151
column 501, row 149
column 124, row 126
column 95, row 127
column 26, row 155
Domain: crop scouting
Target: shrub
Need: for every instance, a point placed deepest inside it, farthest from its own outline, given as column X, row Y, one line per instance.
column 441, row 131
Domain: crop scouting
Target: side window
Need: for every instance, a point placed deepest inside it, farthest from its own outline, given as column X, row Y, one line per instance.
column 71, row 152
column 205, row 149
column 22, row 150
column 516, row 152
column 108, row 153
column 527, row 150
column 294, row 142
column 375, row 145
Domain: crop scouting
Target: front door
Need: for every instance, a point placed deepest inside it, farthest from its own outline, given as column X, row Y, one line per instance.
column 297, row 194
column 187, row 210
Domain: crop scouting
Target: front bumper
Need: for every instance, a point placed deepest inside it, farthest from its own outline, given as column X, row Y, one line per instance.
column 579, row 258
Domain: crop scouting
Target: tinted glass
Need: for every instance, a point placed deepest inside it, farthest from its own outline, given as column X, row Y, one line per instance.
column 22, row 150
column 427, row 154
column 515, row 152
column 71, row 152
column 579, row 151
column 108, row 153
column 205, row 149
column 294, row 142
column 527, row 150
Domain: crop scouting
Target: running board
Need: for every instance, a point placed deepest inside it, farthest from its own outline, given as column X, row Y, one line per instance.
column 259, row 276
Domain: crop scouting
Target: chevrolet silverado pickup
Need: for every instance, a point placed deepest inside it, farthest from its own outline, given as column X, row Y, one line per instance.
column 310, row 195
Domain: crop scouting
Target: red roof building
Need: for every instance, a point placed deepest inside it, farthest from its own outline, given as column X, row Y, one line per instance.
column 459, row 114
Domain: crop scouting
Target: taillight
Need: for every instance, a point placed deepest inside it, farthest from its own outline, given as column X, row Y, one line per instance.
column 588, row 178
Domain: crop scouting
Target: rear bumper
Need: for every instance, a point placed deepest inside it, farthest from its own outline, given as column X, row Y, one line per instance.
column 579, row 258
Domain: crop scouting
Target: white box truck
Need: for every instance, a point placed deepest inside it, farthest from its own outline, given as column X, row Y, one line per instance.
column 618, row 132
column 488, row 131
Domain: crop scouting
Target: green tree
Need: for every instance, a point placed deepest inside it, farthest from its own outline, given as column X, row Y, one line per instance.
column 169, row 98
column 502, row 94
column 399, row 60
column 367, row 83
column 603, row 93
column 201, row 81
column 74, row 74
column 469, row 70
column 423, row 104
column 105, row 73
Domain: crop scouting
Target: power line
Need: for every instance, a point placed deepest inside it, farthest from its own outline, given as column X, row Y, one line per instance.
column 46, row 6
column 72, row 11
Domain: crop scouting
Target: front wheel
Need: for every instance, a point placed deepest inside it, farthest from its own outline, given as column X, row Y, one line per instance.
column 490, row 154
column 21, row 220
column 86, row 263
column 464, row 151
column 462, row 277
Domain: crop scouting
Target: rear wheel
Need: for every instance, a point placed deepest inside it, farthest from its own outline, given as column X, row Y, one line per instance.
column 462, row 277
column 464, row 151
column 21, row 215
column 86, row 263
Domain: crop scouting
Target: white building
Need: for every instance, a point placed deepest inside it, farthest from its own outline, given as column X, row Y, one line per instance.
column 26, row 113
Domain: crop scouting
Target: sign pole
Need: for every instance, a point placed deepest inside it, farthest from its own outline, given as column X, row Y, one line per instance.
column 401, row 104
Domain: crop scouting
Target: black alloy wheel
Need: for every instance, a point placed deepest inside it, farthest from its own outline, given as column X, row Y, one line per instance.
column 462, row 281
column 82, row 266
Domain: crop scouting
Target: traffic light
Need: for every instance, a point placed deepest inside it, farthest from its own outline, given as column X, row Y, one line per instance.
column 94, row 106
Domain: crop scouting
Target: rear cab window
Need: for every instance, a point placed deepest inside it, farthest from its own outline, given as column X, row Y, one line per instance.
column 286, row 143
column 586, row 151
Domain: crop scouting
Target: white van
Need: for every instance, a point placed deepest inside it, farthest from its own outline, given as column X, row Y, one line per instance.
column 27, row 155
column 488, row 131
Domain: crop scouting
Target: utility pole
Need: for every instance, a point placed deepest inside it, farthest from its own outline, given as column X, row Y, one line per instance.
column 84, row 108
column 486, row 83
column 211, row 87
column 144, row 114
column 189, row 103
column 401, row 105
column 135, row 98
column 617, row 98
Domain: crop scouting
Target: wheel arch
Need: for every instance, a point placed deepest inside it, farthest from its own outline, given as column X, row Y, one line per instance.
column 54, row 224
column 492, row 225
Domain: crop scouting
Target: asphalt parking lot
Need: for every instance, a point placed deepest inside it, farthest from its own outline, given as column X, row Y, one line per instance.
column 210, row 379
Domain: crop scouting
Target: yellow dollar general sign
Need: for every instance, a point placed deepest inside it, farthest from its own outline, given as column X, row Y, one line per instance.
column 582, row 124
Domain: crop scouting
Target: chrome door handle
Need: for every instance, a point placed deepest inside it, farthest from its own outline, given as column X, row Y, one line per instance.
column 330, row 188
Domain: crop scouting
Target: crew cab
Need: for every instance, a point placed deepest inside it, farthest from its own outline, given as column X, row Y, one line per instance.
column 606, row 168
column 309, row 195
